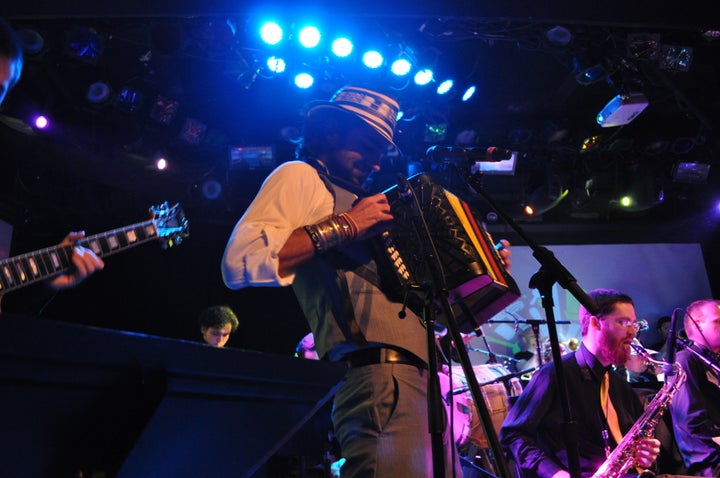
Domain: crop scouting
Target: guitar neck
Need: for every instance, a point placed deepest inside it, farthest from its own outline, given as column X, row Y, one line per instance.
column 19, row 271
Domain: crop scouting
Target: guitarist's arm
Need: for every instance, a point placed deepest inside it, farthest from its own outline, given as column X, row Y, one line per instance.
column 33, row 300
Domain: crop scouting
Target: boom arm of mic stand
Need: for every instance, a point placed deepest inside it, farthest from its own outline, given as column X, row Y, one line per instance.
column 687, row 344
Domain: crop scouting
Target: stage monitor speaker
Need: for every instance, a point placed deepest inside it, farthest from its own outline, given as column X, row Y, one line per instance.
column 85, row 401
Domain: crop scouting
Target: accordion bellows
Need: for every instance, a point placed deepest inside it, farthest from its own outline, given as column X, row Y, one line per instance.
column 478, row 285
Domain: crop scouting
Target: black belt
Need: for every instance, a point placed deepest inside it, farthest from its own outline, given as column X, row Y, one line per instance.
column 360, row 358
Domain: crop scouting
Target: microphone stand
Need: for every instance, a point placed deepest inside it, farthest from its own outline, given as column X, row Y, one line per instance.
column 436, row 292
column 550, row 272
column 699, row 353
column 535, row 325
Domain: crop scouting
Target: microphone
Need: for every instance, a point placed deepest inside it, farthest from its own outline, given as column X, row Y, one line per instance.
column 404, row 189
column 493, row 154
column 671, row 345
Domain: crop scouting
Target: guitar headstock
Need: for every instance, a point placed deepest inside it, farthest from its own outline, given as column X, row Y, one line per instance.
column 171, row 224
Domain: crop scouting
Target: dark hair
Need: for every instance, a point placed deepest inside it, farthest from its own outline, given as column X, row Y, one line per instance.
column 662, row 320
column 11, row 48
column 218, row 316
column 605, row 300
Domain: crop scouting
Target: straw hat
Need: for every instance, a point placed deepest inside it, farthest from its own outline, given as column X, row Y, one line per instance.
column 377, row 110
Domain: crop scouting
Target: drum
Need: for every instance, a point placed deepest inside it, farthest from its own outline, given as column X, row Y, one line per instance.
column 496, row 384
column 457, row 406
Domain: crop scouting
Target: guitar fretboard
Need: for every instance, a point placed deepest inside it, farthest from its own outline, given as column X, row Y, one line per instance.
column 34, row 266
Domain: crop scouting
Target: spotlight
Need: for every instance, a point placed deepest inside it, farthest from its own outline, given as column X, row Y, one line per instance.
column 548, row 195
column 309, row 37
column 469, row 92
column 372, row 59
column 276, row 64
column 342, row 47
column 400, row 67
column 271, row 33
column 423, row 77
column 304, row 80
column 41, row 122
column 445, row 87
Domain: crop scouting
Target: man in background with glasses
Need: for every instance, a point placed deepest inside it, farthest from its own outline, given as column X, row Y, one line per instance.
column 603, row 405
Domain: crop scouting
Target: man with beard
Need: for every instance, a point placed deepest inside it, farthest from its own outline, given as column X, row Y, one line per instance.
column 534, row 433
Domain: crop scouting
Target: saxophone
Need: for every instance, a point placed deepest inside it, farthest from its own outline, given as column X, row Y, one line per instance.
column 621, row 459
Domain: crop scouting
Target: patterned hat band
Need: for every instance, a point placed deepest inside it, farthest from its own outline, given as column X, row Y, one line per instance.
column 377, row 110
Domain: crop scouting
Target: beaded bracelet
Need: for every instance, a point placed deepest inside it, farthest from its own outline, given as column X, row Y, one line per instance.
column 353, row 232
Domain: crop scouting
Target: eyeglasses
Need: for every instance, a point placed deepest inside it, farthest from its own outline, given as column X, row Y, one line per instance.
column 638, row 325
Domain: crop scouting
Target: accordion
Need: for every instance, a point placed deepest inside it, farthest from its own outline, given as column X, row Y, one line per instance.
column 474, row 276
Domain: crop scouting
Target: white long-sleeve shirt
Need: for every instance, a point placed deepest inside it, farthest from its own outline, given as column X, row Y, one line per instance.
column 292, row 196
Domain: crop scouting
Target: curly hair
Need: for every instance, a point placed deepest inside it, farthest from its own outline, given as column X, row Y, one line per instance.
column 218, row 316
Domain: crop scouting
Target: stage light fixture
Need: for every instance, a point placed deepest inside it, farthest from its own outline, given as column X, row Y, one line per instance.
column 690, row 172
column 309, row 36
column 643, row 191
column 373, row 59
column 444, row 87
column 271, row 33
column 32, row 41
column 41, row 122
column 84, row 43
column 129, row 99
column 643, row 46
column 545, row 197
column 469, row 92
column 342, row 47
column 276, row 64
column 423, row 77
column 558, row 36
column 193, row 131
column 587, row 75
column 98, row 93
column 211, row 189
column 304, row 80
column 164, row 110
column 401, row 67
column 675, row 58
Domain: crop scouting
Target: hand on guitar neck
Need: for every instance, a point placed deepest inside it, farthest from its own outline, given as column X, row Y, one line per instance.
column 84, row 263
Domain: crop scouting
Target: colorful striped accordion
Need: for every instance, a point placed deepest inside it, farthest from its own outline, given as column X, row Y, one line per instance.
column 475, row 277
